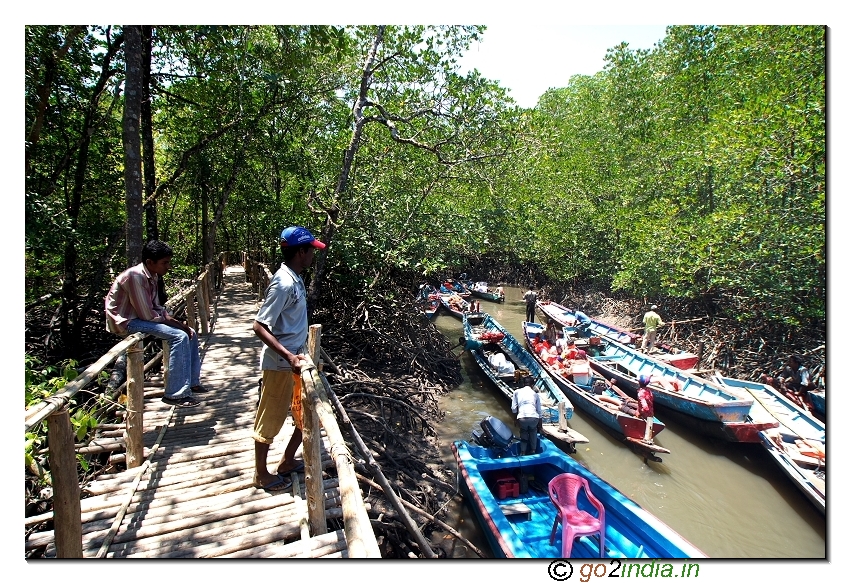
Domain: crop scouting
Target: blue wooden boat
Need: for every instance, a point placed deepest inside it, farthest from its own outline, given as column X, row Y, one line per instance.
column 429, row 300
column 453, row 286
column 518, row 523
column 490, row 345
column 590, row 393
column 718, row 411
column 798, row 444
column 818, row 400
column 565, row 317
column 455, row 304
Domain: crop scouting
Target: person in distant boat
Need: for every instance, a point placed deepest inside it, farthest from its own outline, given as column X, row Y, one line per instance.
column 526, row 406
column 582, row 321
column 651, row 322
column 281, row 324
column 574, row 353
column 551, row 334
column 795, row 377
column 501, row 291
column 646, row 404
column 530, row 298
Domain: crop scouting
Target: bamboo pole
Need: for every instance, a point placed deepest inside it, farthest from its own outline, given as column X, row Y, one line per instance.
column 672, row 323
column 434, row 519
column 203, row 307
column 312, row 443
column 134, row 419
column 66, row 490
column 375, row 469
column 358, row 531
column 191, row 319
column 39, row 412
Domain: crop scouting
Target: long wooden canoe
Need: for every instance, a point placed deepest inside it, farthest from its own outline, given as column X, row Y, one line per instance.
column 486, row 339
column 597, row 400
column 663, row 352
column 798, row 444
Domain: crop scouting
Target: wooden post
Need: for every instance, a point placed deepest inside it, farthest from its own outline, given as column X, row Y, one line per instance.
column 562, row 416
column 312, row 446
column 166, row 351
column 191, row 319
column 134, row 419
column 67, row 524
column 359, row 535
column 203, row 309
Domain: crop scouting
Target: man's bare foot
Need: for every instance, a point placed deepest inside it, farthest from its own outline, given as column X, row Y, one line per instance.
column 293, row 466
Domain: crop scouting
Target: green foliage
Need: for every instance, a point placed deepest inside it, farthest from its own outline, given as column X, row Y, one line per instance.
column 695, row 169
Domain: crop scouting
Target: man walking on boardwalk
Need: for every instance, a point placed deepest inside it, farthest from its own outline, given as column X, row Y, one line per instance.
column 132, row 305
column 281, row 324
column 651, row 323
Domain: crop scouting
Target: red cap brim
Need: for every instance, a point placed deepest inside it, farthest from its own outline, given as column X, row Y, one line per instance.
column 317, row 244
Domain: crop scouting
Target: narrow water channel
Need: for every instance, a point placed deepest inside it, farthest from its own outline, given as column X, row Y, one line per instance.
column 729, row 499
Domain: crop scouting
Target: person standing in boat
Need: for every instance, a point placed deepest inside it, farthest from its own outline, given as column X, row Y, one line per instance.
column 651, row 322
column 646, row 404
column 582, row 321
column 525, row 405
column 530, row 298
column 551, row 334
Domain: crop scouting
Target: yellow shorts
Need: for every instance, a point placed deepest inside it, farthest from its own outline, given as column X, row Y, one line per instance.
column 275, row 400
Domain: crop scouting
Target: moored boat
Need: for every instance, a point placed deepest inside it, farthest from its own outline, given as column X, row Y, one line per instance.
column 480, row 289
column 592, row 394
column 509, row 496
column 453, row 286
column 718, row 411
column 505, row 362
column 818, row 399
column 429, row 300
column 797, row 444
column 663, row 352
column 455, row 304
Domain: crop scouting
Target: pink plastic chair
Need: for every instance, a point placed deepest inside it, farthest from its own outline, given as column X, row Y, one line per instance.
column 564, row 490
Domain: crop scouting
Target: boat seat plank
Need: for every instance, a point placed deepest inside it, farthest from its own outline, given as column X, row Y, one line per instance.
column 516, row 509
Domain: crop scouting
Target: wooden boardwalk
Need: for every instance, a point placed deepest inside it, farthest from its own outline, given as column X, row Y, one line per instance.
column 193, row 497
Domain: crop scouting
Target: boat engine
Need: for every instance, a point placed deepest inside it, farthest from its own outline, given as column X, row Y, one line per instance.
column 493, row 433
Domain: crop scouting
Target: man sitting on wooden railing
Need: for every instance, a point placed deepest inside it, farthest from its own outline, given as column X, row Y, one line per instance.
column 132, row 305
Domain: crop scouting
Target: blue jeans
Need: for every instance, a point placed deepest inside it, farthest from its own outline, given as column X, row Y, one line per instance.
column 184, row 358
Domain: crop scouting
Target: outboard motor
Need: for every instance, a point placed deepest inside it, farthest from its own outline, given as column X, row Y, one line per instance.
column 493, row 433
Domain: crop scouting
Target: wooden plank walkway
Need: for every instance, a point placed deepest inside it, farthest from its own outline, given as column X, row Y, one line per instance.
column 194, row 497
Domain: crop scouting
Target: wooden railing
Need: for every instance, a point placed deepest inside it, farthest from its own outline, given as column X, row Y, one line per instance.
column 317, row 414
column 62, row 453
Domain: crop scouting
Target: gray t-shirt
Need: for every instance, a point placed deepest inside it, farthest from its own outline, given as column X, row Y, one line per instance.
column 284, row 311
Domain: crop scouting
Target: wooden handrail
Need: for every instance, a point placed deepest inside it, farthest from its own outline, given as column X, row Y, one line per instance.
column 67, row 523
column 38, row 413
column 358, row 532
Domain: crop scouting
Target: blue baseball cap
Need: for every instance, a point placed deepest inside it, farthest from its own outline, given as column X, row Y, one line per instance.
column 299, row 236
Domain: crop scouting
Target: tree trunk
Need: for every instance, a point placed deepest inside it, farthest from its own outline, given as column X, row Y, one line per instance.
column 132, row 142
column 151, row 223
column 329, row 230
